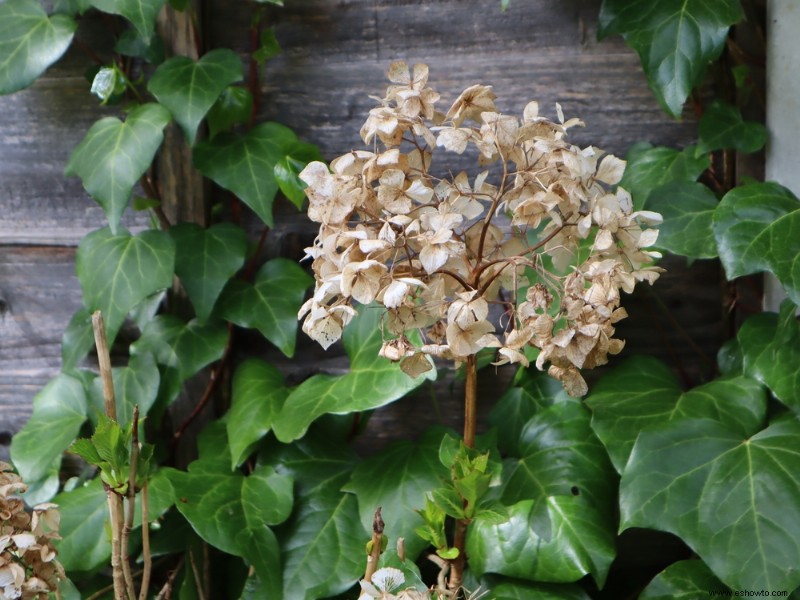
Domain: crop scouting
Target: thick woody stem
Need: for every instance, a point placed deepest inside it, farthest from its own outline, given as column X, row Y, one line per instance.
column 377, row 540
column 470, row 420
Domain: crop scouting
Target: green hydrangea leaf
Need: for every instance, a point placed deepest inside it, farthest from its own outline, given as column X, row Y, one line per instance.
column 770, row 345
column 757, row 228
column 722, row 126
column 371, row 381
column 117, row 272
column 114, row 155
column 734, row 500
column 397, row 479
column 675, row 40
column 85, row 544
column 141, row 13
column 557, row 539
column 642, row 392
column 650, row 167
column 688, row 210
column 324, row 517
column 30, row 42
column 683, row 580
column 59, row 411
column 245, row 164
column 190, row 88
column 505, row 588
column 257, row 397
column 205, row 259
column 270, row 303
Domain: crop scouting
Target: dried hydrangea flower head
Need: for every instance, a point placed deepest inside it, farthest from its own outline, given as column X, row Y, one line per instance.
column 540, row 232
column 28, row 566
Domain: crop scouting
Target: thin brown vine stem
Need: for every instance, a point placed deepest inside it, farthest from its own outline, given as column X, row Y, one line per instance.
column 213, row 381
column 166, row 591
column 131, row 499
column 495, row 203
column 148, row 558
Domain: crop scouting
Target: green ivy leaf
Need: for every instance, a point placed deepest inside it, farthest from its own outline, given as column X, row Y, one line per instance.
column 270, row 303
column 322, row 543
column 77, row 341
column 183, row 348
column 141, row 13
column 117, row 272
column 71, row 7
column 532, row 391
column 85, row 544
column 371, row 381
column 257, row 397
column 130, row 43
column 688, row 209
column 231, row 512
column 734, row 500
column 557, row 539
column 233, row 106
column 505, row 588
column 30, row 41
column 245, row 164
column 287, row 171
column 559, row 456
column 642, row 392
column 189, row 88
column 205, row 259
column 397, row 479
column 650, row 167
column 59, row 410
column 757, row 228
column 114, row 155
column 675, row 40
column 722, row 126
column 136, row 384
column 683, row 580
column 770, row 346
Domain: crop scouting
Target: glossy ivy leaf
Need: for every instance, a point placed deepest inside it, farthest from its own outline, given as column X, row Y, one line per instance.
column 770, row 346
column 683, row 580
column 257, row 397
column 71, row 7
column 270, row 303
column 30, row 41
column 59, row 410
column 114, row 155
column 77, row 340
column 117, row 272
column 232, row 107
column 560, row 455
column 397, row 479
column 130, row 43
column 688, row 209
column 532, row 391
column 85, row 544
column 734, row 500
column 189, row 88
column 757, row 228
column 182, row 348
column 322, row 543
column 642, row 392
column 722, row 126
column 268, row 47
column 205, row 259
column 231, row 512
column 506, row 588
column 371, row 381
column 675, row 40
column 650, row 167
column 141, row 13
column 245, row 164
column 555, row 539
column 287, row 171
column 134, row 385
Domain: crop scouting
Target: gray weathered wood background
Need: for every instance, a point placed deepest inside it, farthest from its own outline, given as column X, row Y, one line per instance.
column 335, row 55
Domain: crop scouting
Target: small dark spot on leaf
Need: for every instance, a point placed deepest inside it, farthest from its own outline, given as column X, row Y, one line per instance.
column 575, row 491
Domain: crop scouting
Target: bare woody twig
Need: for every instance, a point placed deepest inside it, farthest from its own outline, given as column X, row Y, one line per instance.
column 377, row 540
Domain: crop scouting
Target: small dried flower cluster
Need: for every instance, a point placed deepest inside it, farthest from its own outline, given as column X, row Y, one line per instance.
column 437, row 253
column 28, row 565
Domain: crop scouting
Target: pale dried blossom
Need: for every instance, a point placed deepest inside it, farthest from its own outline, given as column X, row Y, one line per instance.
column 438, row 252
column 28, row 566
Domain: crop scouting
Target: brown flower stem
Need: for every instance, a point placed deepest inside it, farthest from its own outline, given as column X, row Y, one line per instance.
column 377, row 539
column 148, row 559
column 104, row 362
column 470, row 420
column 131, row 498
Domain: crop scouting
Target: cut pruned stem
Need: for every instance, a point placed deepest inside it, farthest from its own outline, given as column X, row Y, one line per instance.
column 377, row 540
